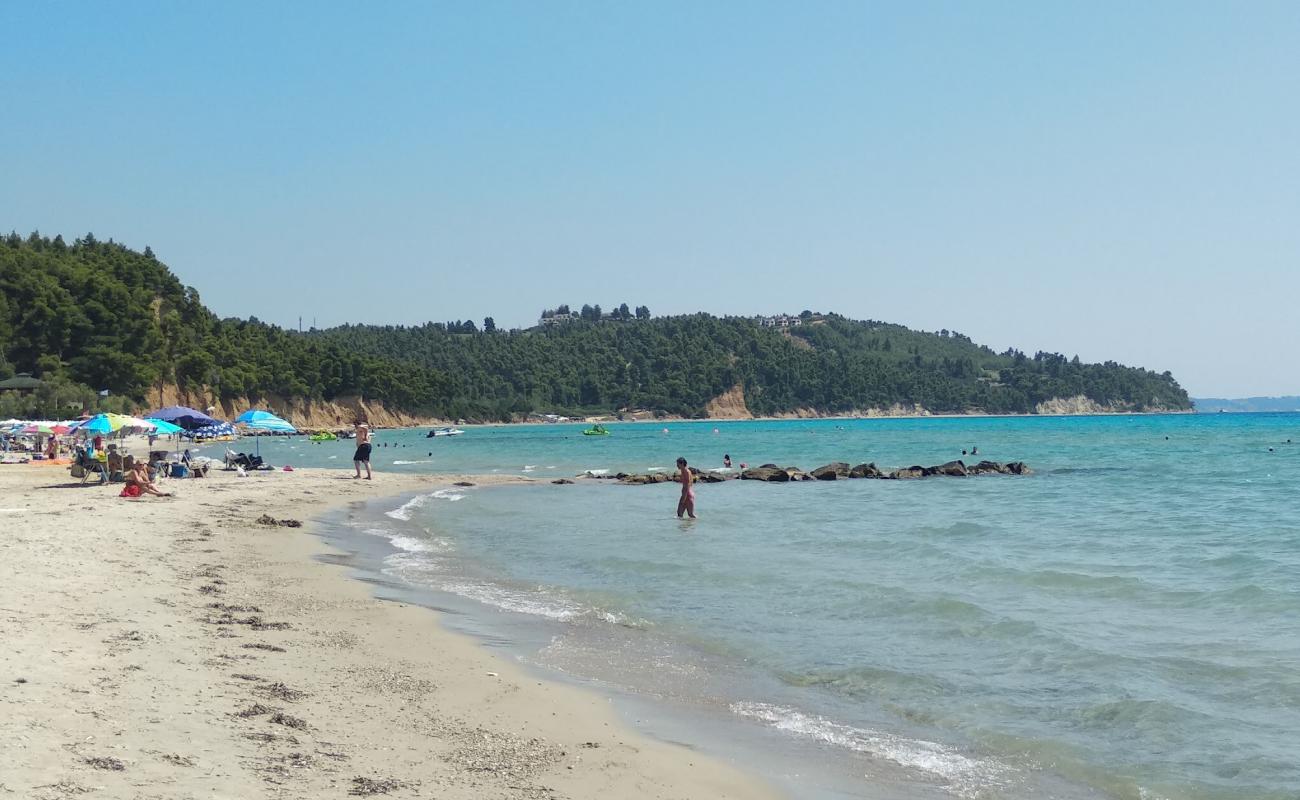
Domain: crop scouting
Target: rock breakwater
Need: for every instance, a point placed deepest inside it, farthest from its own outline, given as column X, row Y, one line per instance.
column 834, row 471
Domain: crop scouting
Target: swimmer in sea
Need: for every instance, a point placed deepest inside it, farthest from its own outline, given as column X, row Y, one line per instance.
column 686, row 505
column 726, row 460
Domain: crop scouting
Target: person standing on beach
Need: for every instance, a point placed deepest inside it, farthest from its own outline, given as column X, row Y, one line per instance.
column 686, row 505
column 362, row 456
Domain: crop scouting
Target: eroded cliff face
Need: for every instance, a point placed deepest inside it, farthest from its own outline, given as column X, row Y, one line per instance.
column 340, row 412
column 729, row 405
column 1079, row 404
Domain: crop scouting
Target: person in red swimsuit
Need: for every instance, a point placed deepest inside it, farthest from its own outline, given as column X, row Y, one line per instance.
column 687, row 504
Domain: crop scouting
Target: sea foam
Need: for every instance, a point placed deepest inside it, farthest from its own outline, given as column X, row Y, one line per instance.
column 967, row 776
column 405, row 511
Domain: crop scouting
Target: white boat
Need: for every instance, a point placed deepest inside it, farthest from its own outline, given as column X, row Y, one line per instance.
column 444, row 432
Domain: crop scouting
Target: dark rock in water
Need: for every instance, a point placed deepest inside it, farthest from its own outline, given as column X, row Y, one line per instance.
column 1019, row 468
column 641, row 480
column 710, row 477
column 768, row 466
column 831, row 471
column 462, row 483
column 562, row 482
column 866, row 471
column 986, row 468
column 907, row 473
column 955, row 469
column 769, row 474
column 620, row 476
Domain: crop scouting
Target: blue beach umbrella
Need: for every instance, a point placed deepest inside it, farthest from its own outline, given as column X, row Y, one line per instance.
column 212, row 431
column 187, row 418
column 164, row 427
column 264, row 421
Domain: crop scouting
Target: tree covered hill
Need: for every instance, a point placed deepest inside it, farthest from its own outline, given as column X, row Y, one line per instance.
column 97, row 315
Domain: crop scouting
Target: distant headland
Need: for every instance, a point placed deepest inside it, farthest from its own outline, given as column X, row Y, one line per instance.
column 1213, row 405
column 94, row 324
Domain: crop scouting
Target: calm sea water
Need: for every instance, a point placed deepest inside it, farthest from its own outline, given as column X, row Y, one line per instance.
column 1122, row 623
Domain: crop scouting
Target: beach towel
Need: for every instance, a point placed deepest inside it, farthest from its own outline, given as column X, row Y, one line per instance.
column 130, row 491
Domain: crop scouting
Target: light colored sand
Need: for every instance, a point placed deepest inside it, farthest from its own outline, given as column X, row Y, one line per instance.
column 113, row 649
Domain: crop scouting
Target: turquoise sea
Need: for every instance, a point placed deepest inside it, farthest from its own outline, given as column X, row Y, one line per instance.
column 1123, row 623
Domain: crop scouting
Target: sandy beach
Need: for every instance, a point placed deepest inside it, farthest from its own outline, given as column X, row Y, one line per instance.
column 179, row 648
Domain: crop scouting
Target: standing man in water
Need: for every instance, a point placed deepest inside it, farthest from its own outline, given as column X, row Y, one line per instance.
column 362, row 456
column 687, row 504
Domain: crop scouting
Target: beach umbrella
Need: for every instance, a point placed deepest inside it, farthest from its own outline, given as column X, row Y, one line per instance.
column 100, row 423
column 212, row 431
column 109, row 422
column 187, row 418
column 46, row 429
column 264, row 421
column 164, row 427
column 136, row 423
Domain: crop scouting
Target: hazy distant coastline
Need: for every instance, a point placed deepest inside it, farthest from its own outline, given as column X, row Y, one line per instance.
column 1213, row 405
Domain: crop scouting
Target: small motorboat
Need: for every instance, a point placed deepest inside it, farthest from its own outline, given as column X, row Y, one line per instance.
column 444, row 432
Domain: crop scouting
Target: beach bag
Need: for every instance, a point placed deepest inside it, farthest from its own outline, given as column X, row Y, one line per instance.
column 77, row 471
column 180, row 471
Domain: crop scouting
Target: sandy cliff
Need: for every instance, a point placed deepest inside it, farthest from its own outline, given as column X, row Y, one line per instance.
column 337, row 413
column 729, row 405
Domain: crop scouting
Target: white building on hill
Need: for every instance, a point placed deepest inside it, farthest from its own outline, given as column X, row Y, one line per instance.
column 780, row 321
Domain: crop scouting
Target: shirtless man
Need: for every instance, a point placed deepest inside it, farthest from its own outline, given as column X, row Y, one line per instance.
column 362, row 456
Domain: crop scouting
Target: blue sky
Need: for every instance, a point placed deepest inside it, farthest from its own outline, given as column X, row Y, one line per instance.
column 1116, row 180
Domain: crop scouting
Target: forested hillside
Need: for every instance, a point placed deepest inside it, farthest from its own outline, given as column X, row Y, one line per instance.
column 95, row 315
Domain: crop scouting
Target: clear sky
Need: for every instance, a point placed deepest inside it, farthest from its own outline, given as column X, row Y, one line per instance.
column 1117, row 180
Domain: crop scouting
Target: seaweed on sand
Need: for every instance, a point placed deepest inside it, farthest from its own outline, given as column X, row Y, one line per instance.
column 281, row 692
column 364, row 787
column 255, row 710
column 289, row 721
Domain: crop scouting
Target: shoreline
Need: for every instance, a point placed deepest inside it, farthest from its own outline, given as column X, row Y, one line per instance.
column 178, row 644
column 611, row 420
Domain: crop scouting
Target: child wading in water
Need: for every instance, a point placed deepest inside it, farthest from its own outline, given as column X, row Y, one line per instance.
column 687, row 504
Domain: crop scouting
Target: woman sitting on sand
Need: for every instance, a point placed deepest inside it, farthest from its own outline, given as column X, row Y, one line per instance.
column 138, row 482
